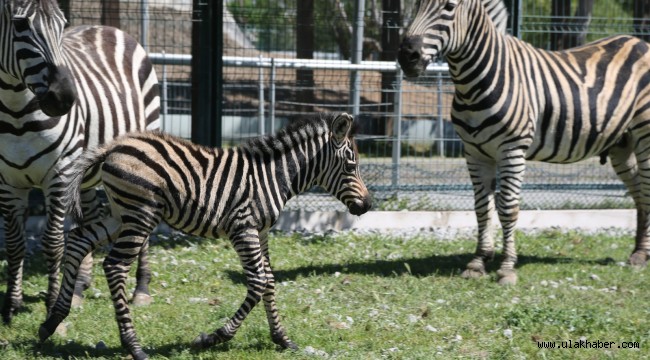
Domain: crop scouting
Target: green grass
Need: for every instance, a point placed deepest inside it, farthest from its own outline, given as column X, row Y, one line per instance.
column 365, row 297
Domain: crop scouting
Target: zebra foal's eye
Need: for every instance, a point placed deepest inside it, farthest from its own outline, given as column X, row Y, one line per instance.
column 350, row 167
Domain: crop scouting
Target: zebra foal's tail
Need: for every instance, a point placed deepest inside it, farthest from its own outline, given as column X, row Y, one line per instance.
column 90, row 158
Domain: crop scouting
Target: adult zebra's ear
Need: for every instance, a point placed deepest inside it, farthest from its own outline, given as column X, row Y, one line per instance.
column 341, row 126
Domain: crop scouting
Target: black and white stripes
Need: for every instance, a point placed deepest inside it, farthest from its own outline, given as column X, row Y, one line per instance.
column 60, row 92
column 236, row 192
column 514, row 103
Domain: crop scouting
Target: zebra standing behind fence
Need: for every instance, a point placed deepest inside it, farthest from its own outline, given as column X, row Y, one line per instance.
column 60, row 91
column 514, row 103
column 236, row 192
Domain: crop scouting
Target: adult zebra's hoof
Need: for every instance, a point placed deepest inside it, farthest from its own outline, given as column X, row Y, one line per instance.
column 9, row 309
column 507, row 277
column 475, row 269
column 139, row 355
column 141, row 299
column 638, row 259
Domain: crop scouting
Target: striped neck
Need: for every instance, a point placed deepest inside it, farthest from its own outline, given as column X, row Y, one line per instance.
column 293, row 155
column 475, row 57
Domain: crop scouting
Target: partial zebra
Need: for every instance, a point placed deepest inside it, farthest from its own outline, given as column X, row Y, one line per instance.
column 514, row 103
column 60, row 92
column 236, row 192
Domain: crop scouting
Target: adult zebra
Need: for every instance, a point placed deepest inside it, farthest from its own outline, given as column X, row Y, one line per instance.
column 514, row 103
column 60, row 92
column 236, row 192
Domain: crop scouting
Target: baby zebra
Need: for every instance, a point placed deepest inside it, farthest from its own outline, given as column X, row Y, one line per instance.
column 236, row 192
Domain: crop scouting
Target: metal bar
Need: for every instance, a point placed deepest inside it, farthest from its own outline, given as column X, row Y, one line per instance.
column 357, row 55
column 260, row 109
column 441, row 123
column 241, row 61
column 272, row 96
column 397, row 129
column 163, row 95
column 144, row 25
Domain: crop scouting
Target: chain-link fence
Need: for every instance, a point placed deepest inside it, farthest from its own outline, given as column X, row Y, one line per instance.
column 287, row 59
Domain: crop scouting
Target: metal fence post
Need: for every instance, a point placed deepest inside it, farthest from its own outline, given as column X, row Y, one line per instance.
column 357, row 55
column 397, row 129
column 441, row 123
column 272, row 96
column 207, row 70
column 260, row 95
column 163, row 93
column 144, row 25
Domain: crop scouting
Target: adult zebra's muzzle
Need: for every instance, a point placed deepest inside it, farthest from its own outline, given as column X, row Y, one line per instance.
column 410, row 56
column 57, row 99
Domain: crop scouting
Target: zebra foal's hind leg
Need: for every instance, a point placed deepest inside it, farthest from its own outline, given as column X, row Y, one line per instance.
column 82, row 241
column 482, row 174
column 13, row 205
column 93, row 211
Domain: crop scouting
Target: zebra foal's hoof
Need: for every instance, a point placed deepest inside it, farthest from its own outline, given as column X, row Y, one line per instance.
column 204, row 340
column 141, row 299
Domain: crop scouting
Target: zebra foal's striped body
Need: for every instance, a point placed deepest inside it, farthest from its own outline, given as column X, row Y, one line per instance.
column 237, row 192
column 60, row 92
column 514, row 103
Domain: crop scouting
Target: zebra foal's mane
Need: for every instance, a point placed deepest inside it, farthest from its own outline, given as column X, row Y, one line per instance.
column 312, row 126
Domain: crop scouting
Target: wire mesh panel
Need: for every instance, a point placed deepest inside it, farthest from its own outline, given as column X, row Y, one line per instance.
column 288, row 59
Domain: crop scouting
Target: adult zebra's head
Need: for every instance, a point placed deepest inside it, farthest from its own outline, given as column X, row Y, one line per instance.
column 340, row 160
column 429, row 35
column 31, row 44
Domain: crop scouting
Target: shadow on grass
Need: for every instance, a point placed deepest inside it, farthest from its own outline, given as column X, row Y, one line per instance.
column 435, row 265
column 72, row 350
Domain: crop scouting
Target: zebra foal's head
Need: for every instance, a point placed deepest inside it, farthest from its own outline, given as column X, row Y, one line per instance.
column 340, row 162
column 31, row 42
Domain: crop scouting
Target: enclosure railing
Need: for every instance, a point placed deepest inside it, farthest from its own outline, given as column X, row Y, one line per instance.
column 272, row 64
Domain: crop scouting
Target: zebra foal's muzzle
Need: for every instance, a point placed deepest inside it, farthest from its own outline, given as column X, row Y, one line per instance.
column 360, row 206
column 410, row 56
column 57, row 99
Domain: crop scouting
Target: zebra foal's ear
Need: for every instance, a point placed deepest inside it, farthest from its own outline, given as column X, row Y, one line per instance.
column 341, row 126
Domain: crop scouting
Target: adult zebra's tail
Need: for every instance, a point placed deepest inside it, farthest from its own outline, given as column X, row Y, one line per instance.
column 90, row 158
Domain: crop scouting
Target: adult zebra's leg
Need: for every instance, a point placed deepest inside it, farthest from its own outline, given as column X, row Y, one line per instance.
column 512, row 166
column 482, row 174
column 53, row 238
column 81, row 242
column 247, row 245
column 13, row 205
column 625, row 165
column 278, row 333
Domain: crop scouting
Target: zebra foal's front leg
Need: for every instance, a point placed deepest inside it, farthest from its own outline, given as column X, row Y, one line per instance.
column 278, row 333
column 247, row 245
column 482, row 174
